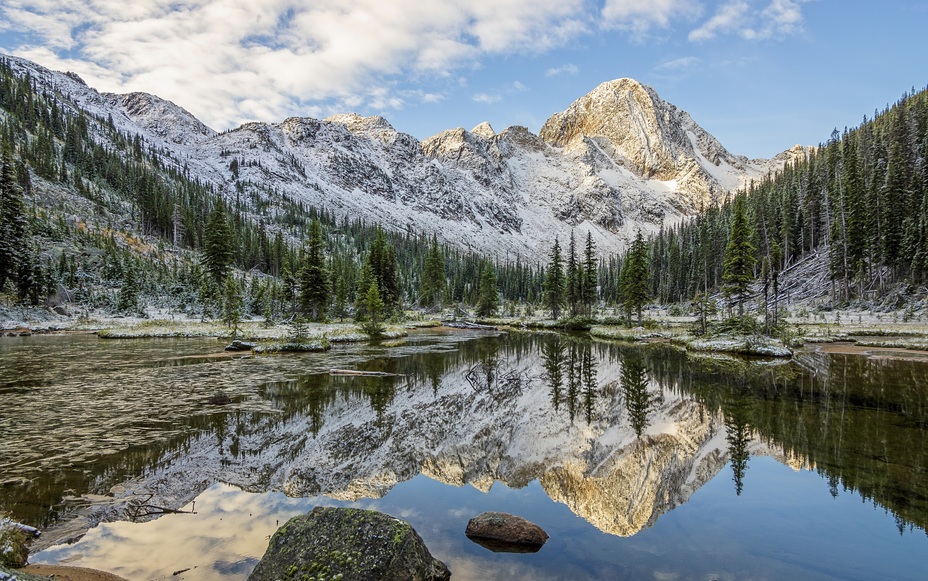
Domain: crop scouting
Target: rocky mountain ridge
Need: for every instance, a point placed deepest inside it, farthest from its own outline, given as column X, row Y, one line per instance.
column 618, row 160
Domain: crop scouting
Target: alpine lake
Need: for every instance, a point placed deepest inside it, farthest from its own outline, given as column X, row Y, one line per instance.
column 640, row 461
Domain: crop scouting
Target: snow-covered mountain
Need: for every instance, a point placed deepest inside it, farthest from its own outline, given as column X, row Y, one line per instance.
column 617, row 160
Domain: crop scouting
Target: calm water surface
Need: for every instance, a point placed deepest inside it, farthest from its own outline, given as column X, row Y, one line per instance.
column 640, row 462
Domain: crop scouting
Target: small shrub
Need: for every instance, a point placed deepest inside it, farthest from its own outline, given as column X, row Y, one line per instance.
column 13, row 548
column 743, row 325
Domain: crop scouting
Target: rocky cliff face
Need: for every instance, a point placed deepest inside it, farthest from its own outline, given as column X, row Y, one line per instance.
column 617, row 160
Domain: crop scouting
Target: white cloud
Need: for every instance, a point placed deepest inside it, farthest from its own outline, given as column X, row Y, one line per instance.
column 497, row 95
column 680, row 64
column 234, row 60
column 746, row 19
column 487, row 98
column 230, row 61
column 639, row 17
column 568, row 69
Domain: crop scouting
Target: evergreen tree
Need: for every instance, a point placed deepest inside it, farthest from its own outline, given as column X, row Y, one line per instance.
column 128, row 298
column 433, row 277
column 382, row 261
column 313, row 277
column 704, row 307
column 590, row 285
column 13, row 224
column 554, row 282
column 574, row 278
column 633, row 283
column 217, row 247
column 488, row 302
column 637, row 398
column 231, row 303
column 374, row 309
column 360, row 303
column 739, row 255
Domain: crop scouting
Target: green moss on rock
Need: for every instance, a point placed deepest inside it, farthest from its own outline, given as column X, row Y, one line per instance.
column 348, row 544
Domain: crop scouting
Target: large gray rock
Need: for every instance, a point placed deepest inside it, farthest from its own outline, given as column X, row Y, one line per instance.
column 348, row 543
column 502, row 532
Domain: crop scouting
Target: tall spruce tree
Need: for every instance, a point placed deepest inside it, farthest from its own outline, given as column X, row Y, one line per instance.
column 574, row 278
column 488, row 301
column 382, row 262
column 590, row 292
column 217, row 244
column 739, row 255
column 554, row 282
column 433, row 277
column 315, row 287
column 633, row 280
column 13, row 225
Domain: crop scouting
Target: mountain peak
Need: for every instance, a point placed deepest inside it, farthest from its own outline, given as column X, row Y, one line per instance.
column 637, row 130
column 484, row 130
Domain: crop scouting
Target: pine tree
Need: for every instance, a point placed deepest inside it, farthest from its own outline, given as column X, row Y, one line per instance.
column 231, row 303
column 217, row 247
column 637, row 398
column 739, row 255
column 554, row 282
column 13, row 224
column 590, row 285
column 633, row 283
column 574, row 278
column 374, row 307
column 433, row 277
column 315, row 288
column 128, row 298
column 382, row 262
column 488, row 302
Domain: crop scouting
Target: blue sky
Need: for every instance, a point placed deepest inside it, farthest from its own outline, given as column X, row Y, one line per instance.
column 760, row 75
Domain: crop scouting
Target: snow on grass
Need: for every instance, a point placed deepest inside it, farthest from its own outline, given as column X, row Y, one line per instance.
column 248, row 331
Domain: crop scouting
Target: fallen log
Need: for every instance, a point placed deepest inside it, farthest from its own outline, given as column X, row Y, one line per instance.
column 469, row 325
column 364, row 373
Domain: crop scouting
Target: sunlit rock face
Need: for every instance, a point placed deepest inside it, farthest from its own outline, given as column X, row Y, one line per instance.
column 640, row 132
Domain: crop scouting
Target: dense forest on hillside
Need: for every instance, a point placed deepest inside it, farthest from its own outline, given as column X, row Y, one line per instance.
column 861, row 199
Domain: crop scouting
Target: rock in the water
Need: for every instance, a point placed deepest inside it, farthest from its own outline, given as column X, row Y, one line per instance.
column 503, row 532
column 220, row 398
column 239, row 345
column 348, row 543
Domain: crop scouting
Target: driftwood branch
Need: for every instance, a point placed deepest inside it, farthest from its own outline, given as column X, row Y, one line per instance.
column 140, row 508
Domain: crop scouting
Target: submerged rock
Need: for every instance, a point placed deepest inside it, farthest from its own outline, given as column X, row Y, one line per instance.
column 348, row 543
column 239, row 345
column 219, row 398
column 501, row 532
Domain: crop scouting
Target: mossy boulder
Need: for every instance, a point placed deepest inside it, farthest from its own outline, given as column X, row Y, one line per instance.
column 348, row 544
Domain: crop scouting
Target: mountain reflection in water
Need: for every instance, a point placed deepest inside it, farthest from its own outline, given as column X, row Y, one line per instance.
column 620, row 435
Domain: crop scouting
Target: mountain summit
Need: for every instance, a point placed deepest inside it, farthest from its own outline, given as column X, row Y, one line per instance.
column 618, row 160
column 640, row 132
